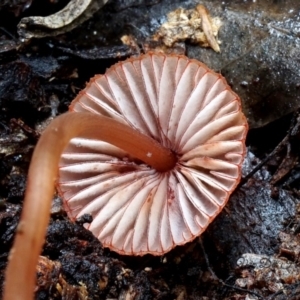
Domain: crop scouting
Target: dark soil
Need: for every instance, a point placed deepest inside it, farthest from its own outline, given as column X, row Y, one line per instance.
column 38, row 80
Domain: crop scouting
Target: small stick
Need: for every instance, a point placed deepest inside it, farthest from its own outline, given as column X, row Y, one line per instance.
column 206, row 27
column 215, row 277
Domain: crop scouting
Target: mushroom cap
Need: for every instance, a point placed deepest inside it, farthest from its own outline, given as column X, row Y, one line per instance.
column 186, row 107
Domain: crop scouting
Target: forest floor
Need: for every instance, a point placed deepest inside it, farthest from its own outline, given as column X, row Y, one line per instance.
column 251, row 250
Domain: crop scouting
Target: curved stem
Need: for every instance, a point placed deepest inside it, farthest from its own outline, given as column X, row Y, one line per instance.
column 43, row 171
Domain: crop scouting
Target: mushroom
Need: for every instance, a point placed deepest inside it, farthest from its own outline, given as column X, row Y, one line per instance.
column 153, row 150
column 186, row 108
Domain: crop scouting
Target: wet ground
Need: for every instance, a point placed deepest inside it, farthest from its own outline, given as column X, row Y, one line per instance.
column 260, row 59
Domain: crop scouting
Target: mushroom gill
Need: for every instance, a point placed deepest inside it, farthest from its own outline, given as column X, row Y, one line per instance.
column 188, row 109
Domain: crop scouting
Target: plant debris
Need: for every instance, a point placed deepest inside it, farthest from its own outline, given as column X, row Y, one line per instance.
column 72, row 15
column 194, row 25
column 260, row 59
